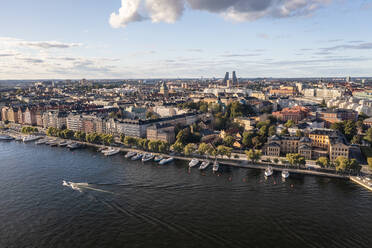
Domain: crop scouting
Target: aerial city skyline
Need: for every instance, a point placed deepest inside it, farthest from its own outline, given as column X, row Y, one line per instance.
column 185, row 123
column 184, row 39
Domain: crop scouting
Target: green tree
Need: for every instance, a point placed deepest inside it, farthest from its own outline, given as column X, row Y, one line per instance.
column 369, row 160
column 299, row 133
column 224, row 151
column 295, row 159
column 178, row 147
column 229, row 141
column 341, row 164
column 253, row 155
column 284, row 132
column 357, row 139
column 272, row 130
column 205, row 149
column 189, row 149
column 368, row 136
column 247, row 139
column 323, row 162
column 289, row 124
column 350, row 129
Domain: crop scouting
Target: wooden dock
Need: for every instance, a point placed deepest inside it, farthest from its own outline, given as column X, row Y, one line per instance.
column 361, row 182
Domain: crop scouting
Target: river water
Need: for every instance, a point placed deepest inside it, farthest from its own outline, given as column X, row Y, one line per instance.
column 121, row 203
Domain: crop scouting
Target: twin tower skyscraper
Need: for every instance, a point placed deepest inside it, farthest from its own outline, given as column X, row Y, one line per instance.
column 228, row 82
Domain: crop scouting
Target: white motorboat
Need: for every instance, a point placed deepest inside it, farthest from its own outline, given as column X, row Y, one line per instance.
column 130, row 154
column 41, row 142
column 112, row 151
column 158, row 158
column 107, row 150
column 147, row 157
column 166, row 161
column 137, row 157
column 30, row 138
column 204, row 165
column 63, row 143
column 285, row 174
column 53, row 143
column 194, row 162
column 269, row 171
column 6, row 137
column 74, row 146
column 216, row 166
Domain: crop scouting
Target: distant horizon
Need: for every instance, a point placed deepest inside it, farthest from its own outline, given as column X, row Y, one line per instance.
column 185, row 39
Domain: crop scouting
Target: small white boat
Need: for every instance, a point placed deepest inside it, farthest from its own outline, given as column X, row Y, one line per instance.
column 194, row 162
column 112, row 151
column 147, row 157
column 41, row 142
column 216, row 166
column 53, row 143
column 204, row 165
column 63, row 144
column 30, row 138
column 130, row 154
column 285, row 174
column 74, row 146
column 166, row 161
column 107, row 150
column 269, row 171
column 137, row 157
column 6, row 137
column 158, row 158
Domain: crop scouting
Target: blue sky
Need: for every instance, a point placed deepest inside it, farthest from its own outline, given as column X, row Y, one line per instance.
column 44, row 39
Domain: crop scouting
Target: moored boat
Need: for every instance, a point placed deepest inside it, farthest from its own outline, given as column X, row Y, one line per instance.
column 137, row 157
column 41, row 142
column 204, row 165
column 285, row 174
column 112, row 152
column 269, row 171
column 158, row 158
column 30, row 138
column 194, row 162
column 166, row 161
column 6, row 137
column 216, row 166
column 63, row 143
column 74, row 146
column 130, row 154
column 147, row 157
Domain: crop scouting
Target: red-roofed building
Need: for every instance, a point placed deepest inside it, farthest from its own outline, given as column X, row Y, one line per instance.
column 295, row 114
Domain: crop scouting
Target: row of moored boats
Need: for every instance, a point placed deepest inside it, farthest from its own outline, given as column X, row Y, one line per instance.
column 269, row 172
column 146, row 157
column 203, row 165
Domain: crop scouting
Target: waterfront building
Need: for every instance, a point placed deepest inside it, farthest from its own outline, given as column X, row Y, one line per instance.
column 55, row 119
column 164, row 133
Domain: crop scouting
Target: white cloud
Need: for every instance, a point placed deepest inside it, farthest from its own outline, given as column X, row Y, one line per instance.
column 170, row 11
column 14, row 42
column 127, row 13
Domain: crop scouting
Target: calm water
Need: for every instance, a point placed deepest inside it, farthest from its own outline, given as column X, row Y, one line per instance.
column 130, row 204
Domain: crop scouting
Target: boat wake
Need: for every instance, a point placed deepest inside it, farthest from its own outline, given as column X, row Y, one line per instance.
column 80, row 186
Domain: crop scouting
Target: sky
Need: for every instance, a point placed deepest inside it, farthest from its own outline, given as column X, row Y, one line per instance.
column 129, row 39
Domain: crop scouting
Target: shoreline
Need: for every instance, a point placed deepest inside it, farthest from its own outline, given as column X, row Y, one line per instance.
column 227, row 162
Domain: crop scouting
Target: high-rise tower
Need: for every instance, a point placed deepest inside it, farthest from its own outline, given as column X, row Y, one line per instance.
column 234, row 78
column 226, row 78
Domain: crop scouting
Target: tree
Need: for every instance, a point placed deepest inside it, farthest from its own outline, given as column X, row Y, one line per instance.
column 369, row 163
column 350, row 129
column 341, row 164
column 224, row 151
column 205, row 149
column 247, row 139
column 253, row 155
column 256, row 142
column 323, row 104
column 130, row 141
column 289, row 124
column 163, row 147
column 323, row 162
column 189, row 149
column 177, row 147
column 357, row 139
column 368, row 136
column 295, row 159
column 299, row 133
column 229, row 141
column 276, row 160
column 272, row 130
column 284, row 132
